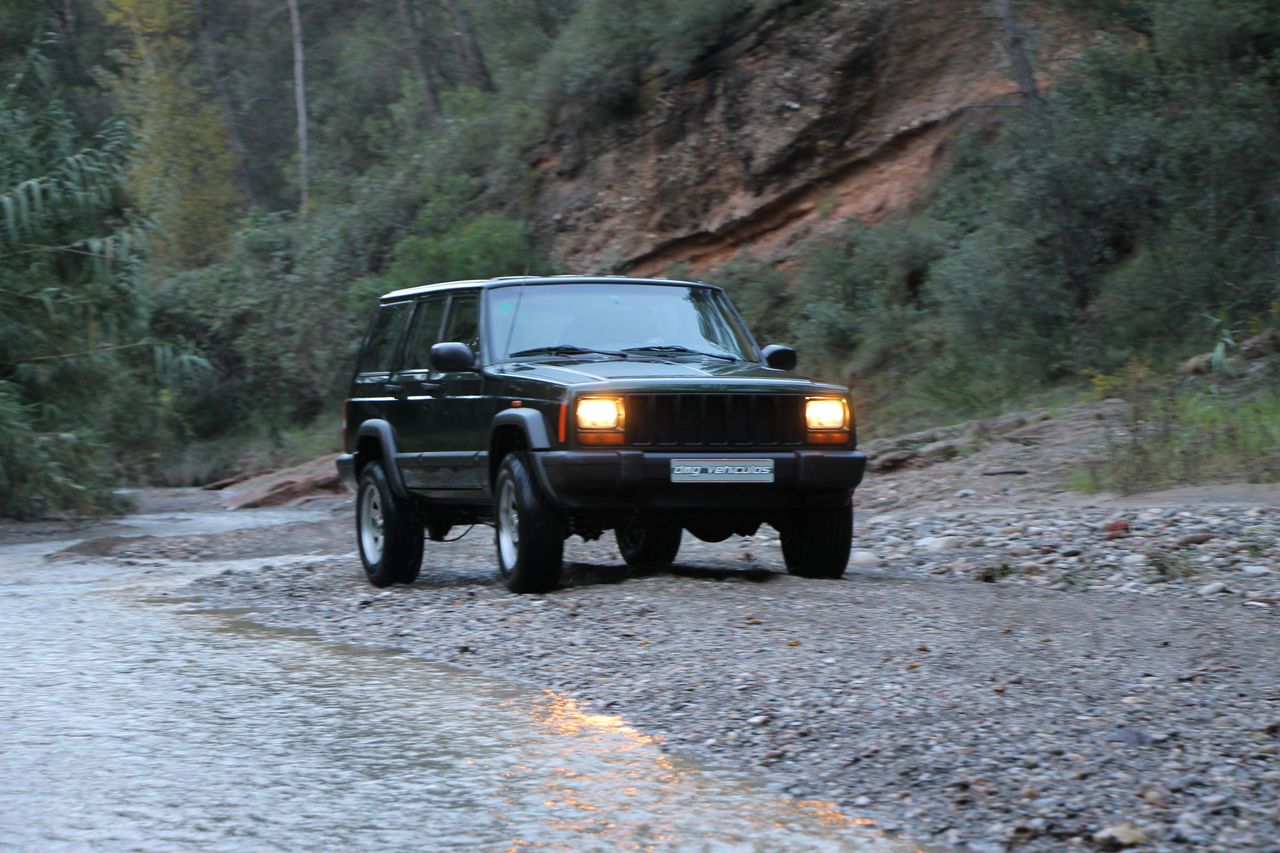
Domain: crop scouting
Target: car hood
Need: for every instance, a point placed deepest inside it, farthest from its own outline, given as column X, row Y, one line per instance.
column 645, row 374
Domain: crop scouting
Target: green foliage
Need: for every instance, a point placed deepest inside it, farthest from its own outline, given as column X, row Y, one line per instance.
column 1146, row 200
column 1171, row 438
column 77, row 363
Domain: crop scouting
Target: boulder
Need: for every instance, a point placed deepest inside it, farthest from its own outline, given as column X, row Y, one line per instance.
column 286, row 486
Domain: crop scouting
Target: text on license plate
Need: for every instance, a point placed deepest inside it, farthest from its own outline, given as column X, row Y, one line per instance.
column 722, row 470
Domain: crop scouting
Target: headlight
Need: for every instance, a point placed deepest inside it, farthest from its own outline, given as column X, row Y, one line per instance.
column 826, row 413
column 600, row 413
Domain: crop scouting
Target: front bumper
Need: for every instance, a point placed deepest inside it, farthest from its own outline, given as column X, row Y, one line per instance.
column 634, row 479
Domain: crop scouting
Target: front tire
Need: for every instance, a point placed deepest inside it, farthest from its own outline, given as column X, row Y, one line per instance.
column 817, row 543
column 389, row 538
column 648, row 544
column 528, row 531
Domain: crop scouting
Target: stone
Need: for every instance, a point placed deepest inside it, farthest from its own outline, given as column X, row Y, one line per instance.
column 943, row 543
column 864, row 558
column 1120, row 836
column 1212, row 588
column 1256, row 571
column 1194, row 539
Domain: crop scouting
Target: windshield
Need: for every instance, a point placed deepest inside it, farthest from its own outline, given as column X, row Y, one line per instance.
column 615, row 320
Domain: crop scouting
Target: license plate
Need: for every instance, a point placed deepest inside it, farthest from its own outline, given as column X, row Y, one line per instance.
column 722, row 470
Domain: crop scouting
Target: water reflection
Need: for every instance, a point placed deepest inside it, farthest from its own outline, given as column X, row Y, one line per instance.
column 132, row 726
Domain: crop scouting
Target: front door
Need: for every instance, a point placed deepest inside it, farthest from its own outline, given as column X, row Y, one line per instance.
column 441, row 430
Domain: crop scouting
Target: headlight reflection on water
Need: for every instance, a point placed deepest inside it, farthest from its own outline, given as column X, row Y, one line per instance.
column 609, row 784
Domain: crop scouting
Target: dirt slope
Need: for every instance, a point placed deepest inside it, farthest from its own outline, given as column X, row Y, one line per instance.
column 821, row 113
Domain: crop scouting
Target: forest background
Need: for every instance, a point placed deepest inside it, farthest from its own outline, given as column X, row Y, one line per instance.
column 185, row 271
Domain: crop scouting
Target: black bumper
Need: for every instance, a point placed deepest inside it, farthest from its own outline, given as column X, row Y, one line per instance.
column 347, row 470
column 634, row 479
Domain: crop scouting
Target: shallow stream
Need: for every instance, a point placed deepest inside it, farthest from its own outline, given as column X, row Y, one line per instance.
column 138, row 721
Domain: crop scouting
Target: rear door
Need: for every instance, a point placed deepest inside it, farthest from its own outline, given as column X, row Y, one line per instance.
column 414, row 416
column 374, row 393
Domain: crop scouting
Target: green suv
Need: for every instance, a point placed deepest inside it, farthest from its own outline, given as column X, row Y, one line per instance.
column 557, row 406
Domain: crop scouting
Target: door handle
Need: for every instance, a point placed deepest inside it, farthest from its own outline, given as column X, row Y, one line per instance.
column 393, row 388
column 431, row 387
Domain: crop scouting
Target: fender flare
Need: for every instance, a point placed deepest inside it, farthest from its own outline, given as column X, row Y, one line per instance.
column 529, row 421
column 386, row 436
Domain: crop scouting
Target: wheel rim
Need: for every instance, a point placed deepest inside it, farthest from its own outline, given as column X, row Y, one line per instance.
column 508, row 525
column 371, row 524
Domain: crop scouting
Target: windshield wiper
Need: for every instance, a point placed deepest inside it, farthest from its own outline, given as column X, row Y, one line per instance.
column 676, row 348
column 568, row 349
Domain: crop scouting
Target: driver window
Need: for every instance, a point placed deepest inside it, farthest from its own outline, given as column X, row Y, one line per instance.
column 425, row 333
column 464, row 321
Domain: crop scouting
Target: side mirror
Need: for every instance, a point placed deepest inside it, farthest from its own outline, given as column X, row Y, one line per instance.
column 779, row 357
column 452, row 356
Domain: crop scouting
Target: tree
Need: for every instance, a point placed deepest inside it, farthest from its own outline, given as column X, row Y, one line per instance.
column 472, row 54
column 71, row 308
column 1016, row 47
column 183, row 174
column 418, row 56
column 300, row 101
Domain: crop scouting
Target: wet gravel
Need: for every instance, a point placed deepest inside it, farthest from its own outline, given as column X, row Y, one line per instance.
column 1036, row 676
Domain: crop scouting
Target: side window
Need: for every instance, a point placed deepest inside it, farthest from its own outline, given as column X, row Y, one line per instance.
column 425, row 332
column 464, row 321
column 380, row 350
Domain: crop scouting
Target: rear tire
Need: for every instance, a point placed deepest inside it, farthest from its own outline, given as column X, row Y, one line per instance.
column 648, row 544
column 817, row 543
column 528, row 531
column 388, row 537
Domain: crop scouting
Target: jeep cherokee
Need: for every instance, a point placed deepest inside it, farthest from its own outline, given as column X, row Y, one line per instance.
column 554, row 406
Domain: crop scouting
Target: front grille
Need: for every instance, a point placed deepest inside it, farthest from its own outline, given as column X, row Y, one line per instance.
column 724, row 421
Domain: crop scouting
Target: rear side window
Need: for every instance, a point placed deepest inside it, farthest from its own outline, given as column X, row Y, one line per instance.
column 464, row 321
column 384, row 337
column 426, row 331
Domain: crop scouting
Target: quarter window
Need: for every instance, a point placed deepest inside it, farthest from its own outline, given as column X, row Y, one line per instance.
column 384, row 337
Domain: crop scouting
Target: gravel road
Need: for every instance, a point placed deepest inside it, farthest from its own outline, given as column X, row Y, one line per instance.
column 1004, row 666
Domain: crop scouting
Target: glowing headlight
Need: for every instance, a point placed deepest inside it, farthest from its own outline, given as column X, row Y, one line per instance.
column 826, row 413
column 600, row 413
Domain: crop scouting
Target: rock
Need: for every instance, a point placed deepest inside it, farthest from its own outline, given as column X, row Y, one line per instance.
column 1261, row 345
column 943, row 543
column 965, row 493
column 1136, row 560
column 938, row 451
column 1117, row 529
column 1197, row 364
column 891, row 460
column 1120, row 836
column 864, row 558
column 1212, row 588
column 286, row 486
column 1256, row 571
column 1194, row 539
column 1132, row 737
column 758, row 720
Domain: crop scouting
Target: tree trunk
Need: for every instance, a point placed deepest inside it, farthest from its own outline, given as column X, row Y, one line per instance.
column 471, row 52
column 209, row 47
column 300, row 102
column 1022, row 70
column 418, row 55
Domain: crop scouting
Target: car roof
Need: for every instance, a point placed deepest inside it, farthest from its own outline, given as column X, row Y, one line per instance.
column 509, row 280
